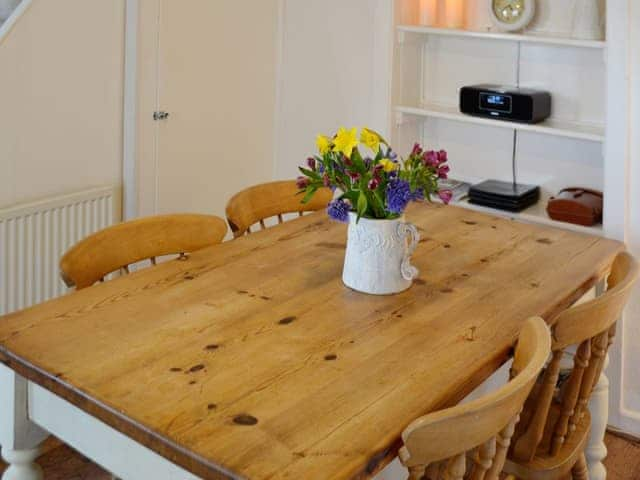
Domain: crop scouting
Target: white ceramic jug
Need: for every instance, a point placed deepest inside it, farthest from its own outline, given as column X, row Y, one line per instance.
column 378, row 256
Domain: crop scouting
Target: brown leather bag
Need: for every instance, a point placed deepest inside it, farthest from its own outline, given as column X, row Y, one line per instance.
column 580, row 206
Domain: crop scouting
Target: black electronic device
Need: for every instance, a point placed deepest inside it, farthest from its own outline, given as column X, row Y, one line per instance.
column 516, row 104
column 504, row 195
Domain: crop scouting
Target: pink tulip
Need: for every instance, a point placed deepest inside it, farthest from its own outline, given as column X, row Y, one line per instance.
column 443, row 172
column 302, row 183
column 445, row 196
column 311, row 163
column 355, row 176
column 442, row 156
column 431, row 159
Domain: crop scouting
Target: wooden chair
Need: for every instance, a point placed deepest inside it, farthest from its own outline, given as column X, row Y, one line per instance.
column 437, row 446
column 117, row 247
column 260, row 202
column 550, row 440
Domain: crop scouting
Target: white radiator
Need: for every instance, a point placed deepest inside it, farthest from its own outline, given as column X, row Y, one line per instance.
column 34, row 237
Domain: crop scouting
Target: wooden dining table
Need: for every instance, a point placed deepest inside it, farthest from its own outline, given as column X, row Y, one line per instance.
column 251, row 359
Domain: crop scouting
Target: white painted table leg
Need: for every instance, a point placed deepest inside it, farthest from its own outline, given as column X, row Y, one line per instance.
column 18, row 435
column 22, row 465
column 596, row 450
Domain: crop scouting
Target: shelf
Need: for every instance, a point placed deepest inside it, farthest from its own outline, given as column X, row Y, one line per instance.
column 536, row 214
column 508, row 37
column 548, row 127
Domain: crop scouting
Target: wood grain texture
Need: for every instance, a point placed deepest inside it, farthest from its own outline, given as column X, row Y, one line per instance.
column 119, row 246
column 262, row 327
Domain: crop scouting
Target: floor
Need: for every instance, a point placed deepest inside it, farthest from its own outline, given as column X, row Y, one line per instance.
column 59, row 463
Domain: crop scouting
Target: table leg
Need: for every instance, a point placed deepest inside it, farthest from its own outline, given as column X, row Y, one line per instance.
column 22, row 465
column 19, row 437
column 596, row 450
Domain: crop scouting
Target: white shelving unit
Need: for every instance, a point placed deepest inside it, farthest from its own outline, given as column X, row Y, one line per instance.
column 508, row 37
column 535, row 214
column 549, row 127
column 567, row 150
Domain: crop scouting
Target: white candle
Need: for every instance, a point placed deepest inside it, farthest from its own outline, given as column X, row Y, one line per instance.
column 454, row 13
column 428, row 13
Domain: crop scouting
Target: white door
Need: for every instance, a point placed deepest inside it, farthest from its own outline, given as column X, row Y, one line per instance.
column 211, row 66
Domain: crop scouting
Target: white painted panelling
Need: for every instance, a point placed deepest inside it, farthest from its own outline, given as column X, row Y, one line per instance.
column 451, row 63
column 334, row 72
column 625, row 360
column 574, row 76
column 33, row 237
column 478, row 152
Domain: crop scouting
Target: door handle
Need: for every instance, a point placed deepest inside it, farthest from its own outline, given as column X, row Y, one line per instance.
column 160, row 115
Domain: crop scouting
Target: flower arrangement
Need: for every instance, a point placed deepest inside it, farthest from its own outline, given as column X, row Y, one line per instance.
column 378, row 185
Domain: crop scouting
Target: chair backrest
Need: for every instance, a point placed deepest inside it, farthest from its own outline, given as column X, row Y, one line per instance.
column 437, row 444
column 591, row 327
column 117, row 247
column 260, row 202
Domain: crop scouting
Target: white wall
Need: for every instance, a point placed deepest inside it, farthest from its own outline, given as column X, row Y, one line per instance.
column 335, row 66
column 61, row 99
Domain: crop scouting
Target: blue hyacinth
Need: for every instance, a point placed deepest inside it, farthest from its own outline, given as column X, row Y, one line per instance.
column 398, row 195
column 339, row 210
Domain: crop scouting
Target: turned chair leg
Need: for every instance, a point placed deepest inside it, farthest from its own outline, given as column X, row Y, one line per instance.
column 580, row 470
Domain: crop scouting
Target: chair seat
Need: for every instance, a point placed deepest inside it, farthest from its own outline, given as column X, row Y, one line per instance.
column 547, row 467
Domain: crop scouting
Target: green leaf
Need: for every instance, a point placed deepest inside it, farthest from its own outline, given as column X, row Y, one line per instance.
column 311, row 191
column 310, row 173
column 363, row 204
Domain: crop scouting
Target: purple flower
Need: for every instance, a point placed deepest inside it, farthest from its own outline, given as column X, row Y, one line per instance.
column 393, row 156
column 418, row 195
column 398, row 195
column 311, row 163
column 445, row 196
column 302, row 183
column 355, row 176
column 443, row 172
column 431, row 159
column 339, row 211
column 442, row 156
column 367, row 163
column 417, row 149
column 326, row 181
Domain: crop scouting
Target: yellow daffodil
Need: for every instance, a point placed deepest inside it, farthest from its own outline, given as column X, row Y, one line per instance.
column 388, row 165
column 370, row 139
column 346, row 141
column 324, row 144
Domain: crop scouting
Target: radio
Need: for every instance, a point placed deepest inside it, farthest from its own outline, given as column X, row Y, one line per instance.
column 524, row 105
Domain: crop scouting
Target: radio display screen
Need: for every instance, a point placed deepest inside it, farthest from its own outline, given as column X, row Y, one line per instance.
column 495, row 102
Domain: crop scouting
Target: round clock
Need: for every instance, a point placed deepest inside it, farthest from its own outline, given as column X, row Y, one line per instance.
column 511, row 15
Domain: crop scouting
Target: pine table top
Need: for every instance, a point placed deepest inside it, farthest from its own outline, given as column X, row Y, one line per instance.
column 251, row 359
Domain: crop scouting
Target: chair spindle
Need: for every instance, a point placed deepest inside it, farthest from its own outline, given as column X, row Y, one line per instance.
column 483, row 459
column 570, row 396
